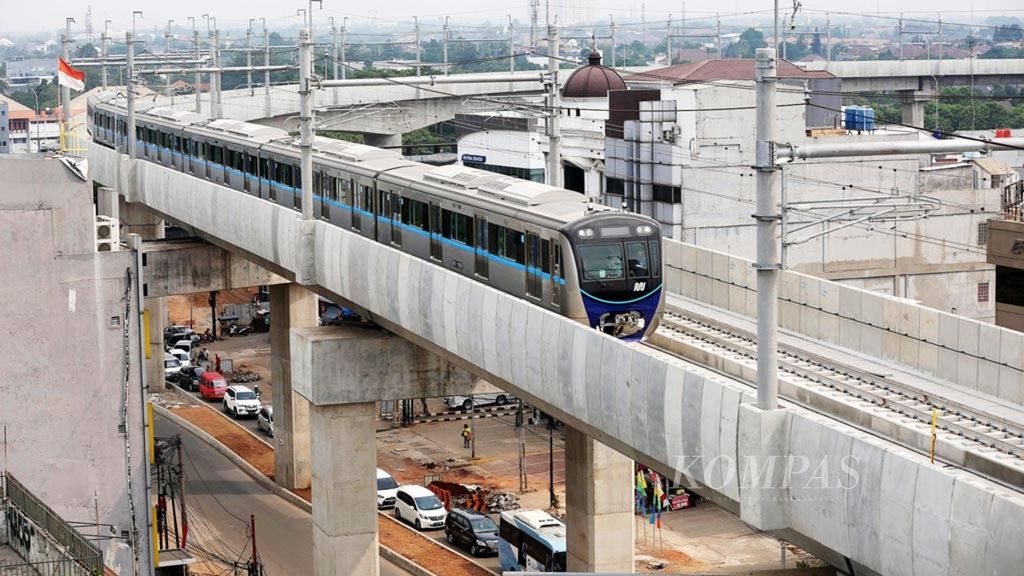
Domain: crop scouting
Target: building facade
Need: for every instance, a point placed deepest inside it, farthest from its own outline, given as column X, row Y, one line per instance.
column 5, row 128
column 26, row 74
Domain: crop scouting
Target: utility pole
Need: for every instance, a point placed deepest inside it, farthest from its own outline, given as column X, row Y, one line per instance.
column 181, row 498
column 901, row 36
column 554, row 111
column 344, row 28
column 199, row 77
column 416, row 23
column 104, row 40
column 718, row 36
column 65, row 92
column 444, row 42
column 248, row 56
column 828, row 38
column 511, row 47
column 167, row 51
column 767, row 217
column 334, row 56
column 306, row 121
column 612, row 18
column 266, row 73
column 668, row 42
column 129, row 42
column 217, row 111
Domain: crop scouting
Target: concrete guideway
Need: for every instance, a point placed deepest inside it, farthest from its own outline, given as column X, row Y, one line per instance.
column 900, row 516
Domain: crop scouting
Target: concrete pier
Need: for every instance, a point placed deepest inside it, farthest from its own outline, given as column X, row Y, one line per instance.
column 140, row 220
column 344, row 489
column 291, row 306
column 598, row 506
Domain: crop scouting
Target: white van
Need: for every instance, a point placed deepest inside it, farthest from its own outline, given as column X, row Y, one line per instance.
column 386, row 489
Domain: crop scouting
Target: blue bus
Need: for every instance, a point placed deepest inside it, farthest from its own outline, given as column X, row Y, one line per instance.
column 531, row 540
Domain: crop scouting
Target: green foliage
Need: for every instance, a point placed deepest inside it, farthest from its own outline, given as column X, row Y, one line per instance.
column 957, row 110
column 750, row 40
column 87, row 51
column 1003, row 52
column 422, row 136
column 346, row 136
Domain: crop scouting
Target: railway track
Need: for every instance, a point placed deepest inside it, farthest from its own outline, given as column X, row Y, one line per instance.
column 966, row 437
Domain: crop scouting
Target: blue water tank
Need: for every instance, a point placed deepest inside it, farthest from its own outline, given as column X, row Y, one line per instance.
column 860, row 118
column 869, row 118
column 852, row 113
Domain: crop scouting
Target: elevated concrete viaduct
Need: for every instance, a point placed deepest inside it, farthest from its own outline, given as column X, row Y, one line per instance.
column 852, row 498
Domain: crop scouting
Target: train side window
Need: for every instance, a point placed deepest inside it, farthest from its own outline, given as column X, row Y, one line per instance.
column 545, row 256
column 343, row 188
column 483, row 264
column 556, row 275
column 436, row 251
column 296, row 184
column 655, row 258
column 415, row 213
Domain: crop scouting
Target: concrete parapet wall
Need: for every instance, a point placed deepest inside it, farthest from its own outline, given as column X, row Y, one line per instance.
column 679, row 418
column 954, row 349
column 173, row 268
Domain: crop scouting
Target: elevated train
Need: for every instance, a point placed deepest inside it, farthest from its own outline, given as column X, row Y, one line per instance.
column 546, row 245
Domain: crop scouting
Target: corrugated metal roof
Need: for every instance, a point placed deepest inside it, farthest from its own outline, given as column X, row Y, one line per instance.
column 992, row 165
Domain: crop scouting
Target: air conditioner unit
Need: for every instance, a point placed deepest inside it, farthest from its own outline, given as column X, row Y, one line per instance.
column 107, row 234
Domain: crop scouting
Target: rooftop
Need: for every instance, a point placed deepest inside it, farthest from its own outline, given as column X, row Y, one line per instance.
column 592, row 80
column 727, row 69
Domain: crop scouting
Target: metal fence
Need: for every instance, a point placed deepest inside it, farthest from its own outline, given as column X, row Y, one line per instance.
column 1013, row 201
column 87, row 554
column 52, row 568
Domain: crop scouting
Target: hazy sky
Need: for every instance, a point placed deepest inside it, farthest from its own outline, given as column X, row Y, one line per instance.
column 20, row 16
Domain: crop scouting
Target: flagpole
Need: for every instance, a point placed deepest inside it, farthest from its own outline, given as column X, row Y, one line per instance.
column 65, row 92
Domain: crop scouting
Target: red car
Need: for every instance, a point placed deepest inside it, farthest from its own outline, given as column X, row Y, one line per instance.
column 212, row 385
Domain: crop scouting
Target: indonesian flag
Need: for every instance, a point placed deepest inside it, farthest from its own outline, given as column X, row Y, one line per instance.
column 68, row 76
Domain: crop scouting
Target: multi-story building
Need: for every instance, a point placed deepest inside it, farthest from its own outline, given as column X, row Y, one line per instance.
column 5, row 128
column 25, row 74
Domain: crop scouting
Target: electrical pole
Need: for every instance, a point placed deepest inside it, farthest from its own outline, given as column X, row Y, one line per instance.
column 445, row 45
column 416, row 23
column 248, row 56
column 217, row 111
column 266, row 62
column 104, row 40
column 199, row 77
column 344, row 28
column 306, row 121
column 511, row 47
column 167, row 51
column 612, row 17
column 828, row 39
column 668, row 42
column 65, row 92
column 767, row 218
column 334, row 56
column 129, row 42
column 901, row 36
column 554, row 112
column 718, row 36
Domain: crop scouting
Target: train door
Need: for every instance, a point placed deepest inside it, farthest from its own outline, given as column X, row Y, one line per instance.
column 534, row 286
column 435, row 233
column 396, row 219
column 384, row 227
column 556, row 274
column 482, row 263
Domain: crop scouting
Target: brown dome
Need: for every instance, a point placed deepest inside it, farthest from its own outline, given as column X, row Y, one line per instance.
column 592, row 80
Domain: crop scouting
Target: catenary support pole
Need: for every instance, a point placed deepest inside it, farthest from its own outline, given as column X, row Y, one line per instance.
column 612, row 17
column 306, row 122
column 554, row 112
column 344, row 66
column 266, row 74
column 248, row 56
column 218, row 112
column 65, row 92
column 444, row 43
column 767, row 217
column 129, row 42
column 334, row 57
column 668, row 42
column 199, row 77
column 167, row 51
column 104, row 40
column 416, row 23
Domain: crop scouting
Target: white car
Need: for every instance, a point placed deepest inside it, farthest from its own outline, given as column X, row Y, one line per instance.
column 387, row 488
column 185, row 345
column 419, row 506
column 499, row 398
column 171, row 367
column 181, row 356
column 241, row 401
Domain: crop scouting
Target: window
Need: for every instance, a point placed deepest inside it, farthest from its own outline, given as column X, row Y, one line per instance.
column 601, row 261
column 506, row 243
column 982, row 233
column 636, row 260
column 414, row 213
column 615, row 187
column 1009, row 286
column 655, row 258
column 457, row 227
column 509, row 533
column 667, row 194
column 982, row 291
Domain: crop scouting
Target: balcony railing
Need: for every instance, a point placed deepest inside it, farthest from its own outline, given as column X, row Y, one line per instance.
column 1013, row 201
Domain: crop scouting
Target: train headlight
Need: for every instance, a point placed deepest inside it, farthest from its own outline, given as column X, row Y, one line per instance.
column 644, row 230
column 586, row 233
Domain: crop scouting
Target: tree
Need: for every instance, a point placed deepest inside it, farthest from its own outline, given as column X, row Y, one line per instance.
column 87, row 51
column 1011, row 33
column 816, row 47
column 750, row 40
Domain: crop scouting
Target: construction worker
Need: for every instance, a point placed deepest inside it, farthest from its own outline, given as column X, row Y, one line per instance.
column 467, row 435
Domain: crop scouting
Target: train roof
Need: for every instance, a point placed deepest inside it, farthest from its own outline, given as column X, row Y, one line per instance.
column 351, row 151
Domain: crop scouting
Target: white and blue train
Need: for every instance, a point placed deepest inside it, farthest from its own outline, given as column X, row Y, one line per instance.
column 549, row 246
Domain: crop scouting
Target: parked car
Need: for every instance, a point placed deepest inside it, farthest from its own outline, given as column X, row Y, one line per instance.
column 419, row 506
column 185, row 345
column 181, row 355
column 174, row 333
column 499, row 398
column 265, row 420
column 387, row 488
column 240, row 401
column 472, row 530
column 188, row 377
column 212, row 385
column 171, row 367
